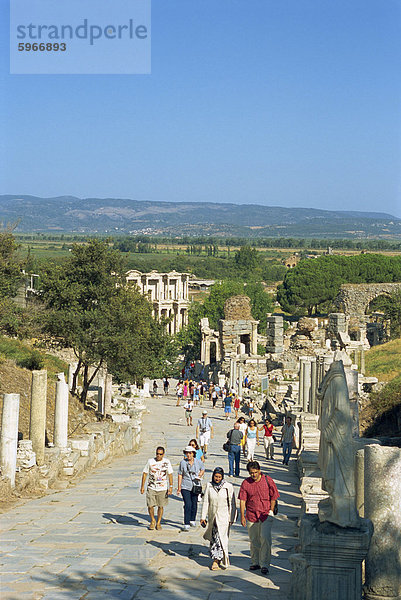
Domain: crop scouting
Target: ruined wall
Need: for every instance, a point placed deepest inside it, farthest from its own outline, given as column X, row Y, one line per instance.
column 237, row 308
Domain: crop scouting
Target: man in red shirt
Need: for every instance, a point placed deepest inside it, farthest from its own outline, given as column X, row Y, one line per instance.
column 258, row 495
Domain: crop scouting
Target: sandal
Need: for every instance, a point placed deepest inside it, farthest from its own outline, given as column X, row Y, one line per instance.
column 214, row 566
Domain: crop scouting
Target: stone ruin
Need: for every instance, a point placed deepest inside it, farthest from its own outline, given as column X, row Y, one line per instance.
column 238, row 330
column 235, row 342
column 275, row 334
column 354, row 299
column 238, row 308
column 347, row 483
column 43, row 464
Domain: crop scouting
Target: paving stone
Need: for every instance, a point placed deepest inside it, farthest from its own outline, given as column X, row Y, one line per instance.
column 91, row 540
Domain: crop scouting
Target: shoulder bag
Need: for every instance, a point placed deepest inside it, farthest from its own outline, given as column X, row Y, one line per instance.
column 196, row 486
column 227, row 445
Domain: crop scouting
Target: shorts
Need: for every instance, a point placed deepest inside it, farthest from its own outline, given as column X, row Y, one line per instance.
column 188, row 413
column 204, row 438
column 227, row 409
column 154, row 498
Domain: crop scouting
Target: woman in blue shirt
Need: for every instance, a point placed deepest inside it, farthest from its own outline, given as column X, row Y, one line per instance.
column 199, row 454
column 189, row 473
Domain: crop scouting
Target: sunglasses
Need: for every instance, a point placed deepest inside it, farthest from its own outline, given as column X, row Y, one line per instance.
column 160, row 453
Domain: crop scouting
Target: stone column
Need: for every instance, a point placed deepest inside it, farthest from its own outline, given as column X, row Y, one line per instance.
column 301, row 381
column 61, row 413
column 313, row 389
column 307, row 386
column 218, row 353
column 37, row 423
column 101, row 391
column 362, row 369
column 72, row 367
column 254, row 339
column 240, row 376
column 108, row 394
column 359, row 481
column 203, row 349
column 383, row 507
column 9, row 436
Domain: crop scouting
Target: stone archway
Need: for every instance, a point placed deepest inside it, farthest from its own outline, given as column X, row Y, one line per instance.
column 354, row 299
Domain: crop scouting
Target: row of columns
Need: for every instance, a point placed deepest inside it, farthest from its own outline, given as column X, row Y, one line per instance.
column 37, row 423
column 312, row 370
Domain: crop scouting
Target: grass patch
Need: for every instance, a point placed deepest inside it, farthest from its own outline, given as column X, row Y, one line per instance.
column 384, row 361
column 27, row 357
column 380, row 415
column 388, row 397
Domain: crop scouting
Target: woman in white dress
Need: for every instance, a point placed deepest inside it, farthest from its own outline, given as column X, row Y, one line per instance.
column 243, row 427
column 251, row 437
column 218, row 513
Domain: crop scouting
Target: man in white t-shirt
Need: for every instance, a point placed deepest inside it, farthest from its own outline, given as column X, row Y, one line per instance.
column 204, row 430
column 158, row 491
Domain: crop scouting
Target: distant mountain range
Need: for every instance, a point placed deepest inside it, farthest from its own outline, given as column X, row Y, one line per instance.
column 123, row 216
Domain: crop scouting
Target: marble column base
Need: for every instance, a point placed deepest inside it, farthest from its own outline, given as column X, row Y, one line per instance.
column 329, row 564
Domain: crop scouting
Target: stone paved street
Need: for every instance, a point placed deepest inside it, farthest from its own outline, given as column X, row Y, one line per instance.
column 90, row 541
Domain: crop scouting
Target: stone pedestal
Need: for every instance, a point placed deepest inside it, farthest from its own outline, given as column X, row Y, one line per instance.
column 37, row 423
column 329, row 565
column 25, row 455
column 312, row 493
column 9, row 437
column 310, row 433
column 61, row 413
column 382, row 475
column 146, row 389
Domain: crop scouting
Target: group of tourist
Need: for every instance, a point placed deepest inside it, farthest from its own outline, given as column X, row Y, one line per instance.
column 257, row 495
column 194, row 393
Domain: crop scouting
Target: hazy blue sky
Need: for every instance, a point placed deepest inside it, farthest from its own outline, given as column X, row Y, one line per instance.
column 276, row 102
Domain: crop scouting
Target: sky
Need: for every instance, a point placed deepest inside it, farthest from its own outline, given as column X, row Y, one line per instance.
column 293, row 103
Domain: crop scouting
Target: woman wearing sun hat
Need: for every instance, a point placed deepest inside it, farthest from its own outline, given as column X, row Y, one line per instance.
column 190, row 471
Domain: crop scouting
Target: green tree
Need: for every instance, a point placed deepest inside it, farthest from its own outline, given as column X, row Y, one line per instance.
column 10, row 265
column 91, row 309
column 14, row 320
column 391, row 306
column 247, row 258
column 314, row 283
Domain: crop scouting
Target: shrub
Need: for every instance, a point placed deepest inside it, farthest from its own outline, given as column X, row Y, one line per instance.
column 33, row 361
